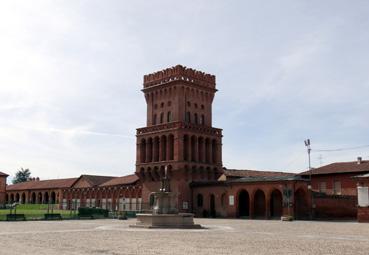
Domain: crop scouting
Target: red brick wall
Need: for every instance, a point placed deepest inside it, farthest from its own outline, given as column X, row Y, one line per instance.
column 335, row 207
column 348, row 184
column 2, row 190
column 363, row 214
column 224, row 209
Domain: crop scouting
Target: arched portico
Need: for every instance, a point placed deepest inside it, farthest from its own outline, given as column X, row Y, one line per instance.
column 276, row 204
column 301, row 204
column 243, row 204
column 259, row 204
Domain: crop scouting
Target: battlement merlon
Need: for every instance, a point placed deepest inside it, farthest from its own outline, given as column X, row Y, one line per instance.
column 178, row 73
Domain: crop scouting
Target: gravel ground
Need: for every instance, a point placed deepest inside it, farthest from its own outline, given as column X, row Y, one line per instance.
column 221, row 236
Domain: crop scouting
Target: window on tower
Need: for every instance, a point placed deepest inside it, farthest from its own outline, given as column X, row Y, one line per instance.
column 161, row 118
column 169, row 117
column 202, row 119
column 154, row 119
column 188, row 117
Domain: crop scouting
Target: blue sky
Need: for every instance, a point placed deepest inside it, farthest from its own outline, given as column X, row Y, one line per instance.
column 71, row 74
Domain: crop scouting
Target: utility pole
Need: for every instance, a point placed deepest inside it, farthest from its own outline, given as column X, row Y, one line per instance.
column 307, row 144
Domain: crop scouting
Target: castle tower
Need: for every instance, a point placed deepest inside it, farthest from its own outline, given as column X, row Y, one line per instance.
column 178, row 135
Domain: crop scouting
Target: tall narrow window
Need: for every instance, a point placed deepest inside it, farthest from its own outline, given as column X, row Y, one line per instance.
column 169, row 117
column 188, row 117
column 196, row 119
column 202, row 119
column 154, row 119
column 161, row 118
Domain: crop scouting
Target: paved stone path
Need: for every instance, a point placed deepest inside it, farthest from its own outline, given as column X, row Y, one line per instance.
column 222, row 236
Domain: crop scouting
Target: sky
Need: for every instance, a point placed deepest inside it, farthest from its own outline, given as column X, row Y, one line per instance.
column 71, row 75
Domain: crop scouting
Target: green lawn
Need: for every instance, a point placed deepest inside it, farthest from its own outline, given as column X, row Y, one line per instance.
column 36, row 211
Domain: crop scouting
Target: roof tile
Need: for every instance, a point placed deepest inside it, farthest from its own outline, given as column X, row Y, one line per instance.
column 124, row 180
column 46, row 184
column 340, row 167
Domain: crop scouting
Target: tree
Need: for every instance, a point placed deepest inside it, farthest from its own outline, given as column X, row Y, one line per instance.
column 22, row 175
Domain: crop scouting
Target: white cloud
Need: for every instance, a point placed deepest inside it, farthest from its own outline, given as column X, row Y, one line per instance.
column 71, row 74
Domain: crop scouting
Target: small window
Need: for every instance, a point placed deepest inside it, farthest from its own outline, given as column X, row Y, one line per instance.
column 169, row 117
column 196, row 119
column 161, row 118
column 195, row 106
column 154, row 119
column 189, row 104
column 162, row 105
column 337, row 188
column 202, row 107
column 200, row 200
column 169, row 103
column 323, row 187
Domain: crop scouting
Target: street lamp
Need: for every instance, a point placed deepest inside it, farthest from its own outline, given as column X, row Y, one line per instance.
column 307, row 144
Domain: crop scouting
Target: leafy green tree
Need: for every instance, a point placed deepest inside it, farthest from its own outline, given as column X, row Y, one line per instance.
column 22, row 175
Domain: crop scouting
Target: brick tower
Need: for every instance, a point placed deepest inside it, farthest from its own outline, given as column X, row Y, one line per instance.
column 179, row 133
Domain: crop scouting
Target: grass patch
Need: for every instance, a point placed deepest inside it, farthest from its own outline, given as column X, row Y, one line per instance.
column 36, row 211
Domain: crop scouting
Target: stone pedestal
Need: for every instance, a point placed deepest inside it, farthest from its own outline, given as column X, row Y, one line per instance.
column 181, row 220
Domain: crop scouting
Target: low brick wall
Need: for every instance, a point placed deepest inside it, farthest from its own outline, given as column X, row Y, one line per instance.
column 335, row 206
column 363, row 214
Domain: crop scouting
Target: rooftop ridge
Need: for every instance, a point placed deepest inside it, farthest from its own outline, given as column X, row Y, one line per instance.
column 179, row 72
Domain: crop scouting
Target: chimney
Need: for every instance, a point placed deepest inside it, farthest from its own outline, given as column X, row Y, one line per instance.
column 359, row 160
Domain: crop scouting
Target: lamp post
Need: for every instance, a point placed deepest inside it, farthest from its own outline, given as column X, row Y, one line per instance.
column 307, row 144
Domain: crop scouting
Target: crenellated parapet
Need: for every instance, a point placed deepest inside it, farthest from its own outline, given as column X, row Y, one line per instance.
column 179, row 73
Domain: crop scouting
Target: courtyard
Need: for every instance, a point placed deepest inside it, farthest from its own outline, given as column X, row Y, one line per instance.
column 221, row 236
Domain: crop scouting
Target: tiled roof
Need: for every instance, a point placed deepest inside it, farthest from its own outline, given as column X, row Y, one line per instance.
column 268, row 178
column 46, row 184
column 124, row 180
column 3, row 174
column 340, row 167
column 253, row 173
column 95, row 180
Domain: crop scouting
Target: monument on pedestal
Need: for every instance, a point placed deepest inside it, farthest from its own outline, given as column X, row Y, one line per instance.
column 165, row 212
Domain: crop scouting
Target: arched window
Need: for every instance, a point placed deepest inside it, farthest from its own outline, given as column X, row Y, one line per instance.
column 169, row 117
column 188, row 117
column 196, row 119
column 161, row 118
column 200, row 200
column 154, row 119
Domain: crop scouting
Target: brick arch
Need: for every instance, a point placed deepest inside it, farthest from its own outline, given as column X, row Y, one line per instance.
column 143, row 150
column 170, row 147
column 243, row 203
column 17, row 197
column 259, row 204
column 275, row 203
column 212, row 205
column 33, row 198
column 301, row 207
column 23, row 198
